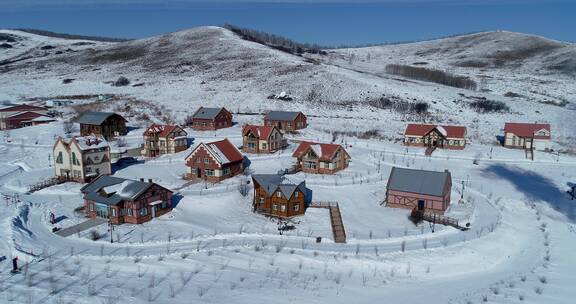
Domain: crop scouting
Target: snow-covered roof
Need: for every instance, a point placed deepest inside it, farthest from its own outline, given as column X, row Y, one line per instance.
column 207, row 113
column 90, row 142
column 221, row 157
column 111, row 190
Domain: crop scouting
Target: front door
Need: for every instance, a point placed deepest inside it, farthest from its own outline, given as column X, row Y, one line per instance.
column 198, row 172
column 420, row 205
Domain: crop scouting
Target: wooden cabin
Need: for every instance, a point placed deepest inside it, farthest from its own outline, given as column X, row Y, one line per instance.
column 286, row 121
column 276, row 196
column 529, row 136
column 211, row 119
column 105, row 124
column 262, row 139
column 13, row 116
column 164, row 139
column 214, row 161
column 320, row 158
column 81, row 159
column 124, row 200
column 419, row 189
column 435, row 136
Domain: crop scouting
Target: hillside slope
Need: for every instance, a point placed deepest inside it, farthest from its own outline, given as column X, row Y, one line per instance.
column 212, row 66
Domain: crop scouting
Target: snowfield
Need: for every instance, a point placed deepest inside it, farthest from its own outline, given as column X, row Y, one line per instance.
column 212, row 249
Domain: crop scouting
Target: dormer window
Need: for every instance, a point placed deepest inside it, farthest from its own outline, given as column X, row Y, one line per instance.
column 278, row 194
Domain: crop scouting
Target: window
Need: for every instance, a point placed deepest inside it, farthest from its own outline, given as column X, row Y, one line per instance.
column 206, row 160
column 296, row 206
column 310, row 164
column 275, row 206
column 261, row 200
column 209, row 172
column 143, row 211
column 296, row 194
column 226, row 171
column 283, row 208
column 96, row 158
column 91, row 207
column 251, row 145
column 88, row 169
column 129, row 211
column 289, row 125
column 164, row 204
column 264, row 145
column 59, row 158
column 75, row 160
column 278, row 194
column 113, row 211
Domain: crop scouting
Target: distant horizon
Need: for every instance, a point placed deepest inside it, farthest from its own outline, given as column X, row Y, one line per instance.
column 326, row 23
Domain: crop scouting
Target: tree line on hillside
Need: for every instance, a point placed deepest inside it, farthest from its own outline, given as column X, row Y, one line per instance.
column 431, row 75
column 275, row 41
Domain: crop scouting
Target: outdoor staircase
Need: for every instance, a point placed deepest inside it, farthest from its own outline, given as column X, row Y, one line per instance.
column 429, row 151
column 435, row 218
column 338, row 231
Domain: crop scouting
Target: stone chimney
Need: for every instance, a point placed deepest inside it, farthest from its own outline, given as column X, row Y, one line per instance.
column 150, row 180
column 141, row 179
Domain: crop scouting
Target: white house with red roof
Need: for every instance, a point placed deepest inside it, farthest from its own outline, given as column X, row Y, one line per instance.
column 164, row 139
column 530, row 136
column 81, row 159
column 214, row 161
column 262, row 139
column 435, row 136
column 321, row 158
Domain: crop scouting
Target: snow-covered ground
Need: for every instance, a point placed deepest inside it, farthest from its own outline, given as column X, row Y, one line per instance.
column 212, row 249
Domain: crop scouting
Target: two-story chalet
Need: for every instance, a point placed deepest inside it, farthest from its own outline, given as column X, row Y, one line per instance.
column 419, row 189
column 107, row 125
column 286, row 121
column 211, row 119
column 164, row 139
column 262, row 139
column 81, row 159
column 530, row 136
column 214, row 161
column 435, row 136
column 321, row 158
column 275, row 196
column 13, row 116
column 125, row 201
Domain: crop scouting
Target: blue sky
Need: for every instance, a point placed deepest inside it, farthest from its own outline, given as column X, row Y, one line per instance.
column 327, row 22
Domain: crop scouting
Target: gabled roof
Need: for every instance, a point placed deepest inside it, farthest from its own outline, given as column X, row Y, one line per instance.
column 20, row 107
column 207, row 113
column 446, row 131
column 323, row 151
column 527, row 129
column 259, row 131
column 28, row 114
column 418, row 181
column 160, row 130
column 84, row 142
column 223, row 151
column 273, row 182
column 112, row 190
column 282, row 115
column 95, row 118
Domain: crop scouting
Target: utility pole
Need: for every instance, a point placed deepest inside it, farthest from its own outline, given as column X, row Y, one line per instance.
column 573, row 192
column 463, row 187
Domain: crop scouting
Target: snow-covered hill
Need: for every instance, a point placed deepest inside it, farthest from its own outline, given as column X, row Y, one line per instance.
column 213, row 66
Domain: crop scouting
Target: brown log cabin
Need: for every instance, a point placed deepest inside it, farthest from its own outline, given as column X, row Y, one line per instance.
column 321, row 158
column 419, row 190
column 435, row 136
column 275, row 196
column 211, row 119
column 286, row 121
column 214, row 161
column 107, row 125
column 125, row 201
column 262, row 139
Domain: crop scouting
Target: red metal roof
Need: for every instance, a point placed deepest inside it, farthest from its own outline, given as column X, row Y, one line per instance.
column 259, row 131
column 422, row 129
column 228, row 149
column 26, row 115
column 327, row 151
column 160, row 130
column 526, row 129
column 22, row 107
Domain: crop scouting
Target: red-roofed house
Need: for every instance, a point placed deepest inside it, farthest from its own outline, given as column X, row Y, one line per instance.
column 262, row 139
column 164, row 139
column 531, row 136
column 214, row 161
column 16, row 116
column 321, row 158
column 435, row 136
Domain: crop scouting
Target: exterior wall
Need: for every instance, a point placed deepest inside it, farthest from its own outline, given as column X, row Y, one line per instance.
column 20, row 121
column 222, row 120
column 424, row 141
column 264, row 203
column 513, row 141
column 108, row 129
column 202, row 161
column 407, row 200
column 84, row 170
column 338, row 163
column 155, row 146
column 138, row 211
column 18, row 109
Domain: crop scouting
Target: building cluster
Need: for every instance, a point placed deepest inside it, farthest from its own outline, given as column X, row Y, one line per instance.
column 14, row 116
column 86, row 158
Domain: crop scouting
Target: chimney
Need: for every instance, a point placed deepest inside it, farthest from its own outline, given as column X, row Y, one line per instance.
column 141, row 179
column 150, row 180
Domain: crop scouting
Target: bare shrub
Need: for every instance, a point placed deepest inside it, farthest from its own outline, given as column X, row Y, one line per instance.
column 489, row 106
column 431, row 75
column 121, row 82
column 95, row 235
